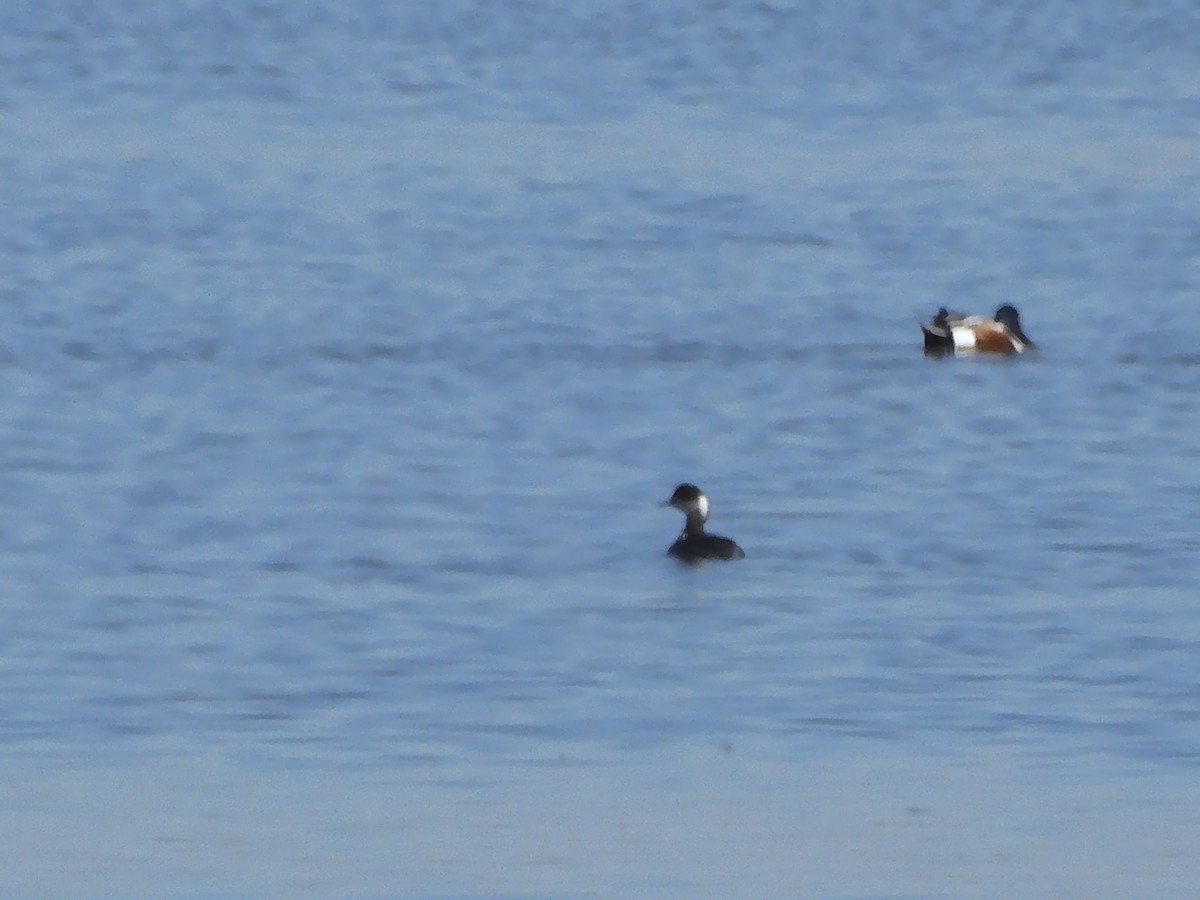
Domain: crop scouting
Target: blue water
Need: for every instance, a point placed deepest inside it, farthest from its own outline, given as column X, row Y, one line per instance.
column 350, row 349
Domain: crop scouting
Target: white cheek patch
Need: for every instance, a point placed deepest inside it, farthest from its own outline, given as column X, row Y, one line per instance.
column 702, row 506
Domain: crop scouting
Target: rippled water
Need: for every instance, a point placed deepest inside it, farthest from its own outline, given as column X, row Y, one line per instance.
column 350, row 351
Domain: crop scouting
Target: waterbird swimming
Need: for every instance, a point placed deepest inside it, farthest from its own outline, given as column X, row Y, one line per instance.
column 694, row 544
column 949, row 333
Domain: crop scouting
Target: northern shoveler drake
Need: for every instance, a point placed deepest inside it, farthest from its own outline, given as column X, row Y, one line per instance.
column 950, row 333
column 695, row 545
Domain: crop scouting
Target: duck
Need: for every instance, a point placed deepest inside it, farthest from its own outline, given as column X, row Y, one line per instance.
column 695, row 545
column 949, row 333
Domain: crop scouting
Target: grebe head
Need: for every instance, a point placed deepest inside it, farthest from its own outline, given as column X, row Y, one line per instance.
column 689, row 500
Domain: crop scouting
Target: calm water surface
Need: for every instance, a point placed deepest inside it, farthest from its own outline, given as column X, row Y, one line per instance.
column 350, row 348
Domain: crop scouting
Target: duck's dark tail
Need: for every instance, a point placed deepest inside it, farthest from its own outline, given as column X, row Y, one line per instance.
column 939, row 341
